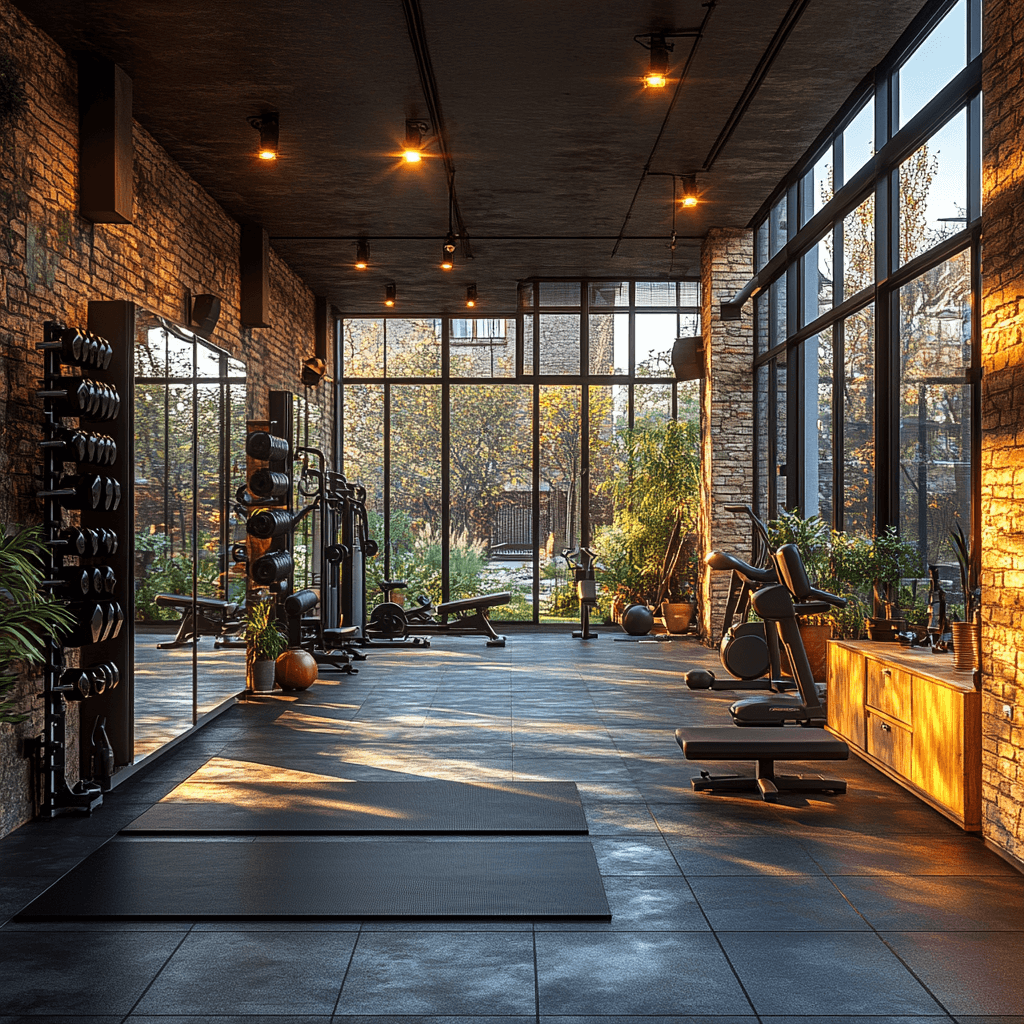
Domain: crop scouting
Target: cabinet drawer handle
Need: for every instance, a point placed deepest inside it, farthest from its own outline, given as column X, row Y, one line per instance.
column 886, row 727
column 887, row 672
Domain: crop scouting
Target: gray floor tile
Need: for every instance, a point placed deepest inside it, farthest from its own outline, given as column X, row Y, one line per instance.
column 252, row 973
column 763, row 903
column 611, row 819
column 757, row 850
column 969, row 972
column 859, row 854
column 943, row 903
column 43, row 972
column 440, row 973
column 635, row 973
column 229, row 1019
column 642, row 903
column 821, row 973
column 640, row 855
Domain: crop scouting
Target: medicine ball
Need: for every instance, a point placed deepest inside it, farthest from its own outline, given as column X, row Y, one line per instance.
column 296, row 670
column 699, row 679
column 637, row 620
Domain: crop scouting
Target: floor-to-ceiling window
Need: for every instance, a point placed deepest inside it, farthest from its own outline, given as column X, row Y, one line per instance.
column 866, row 367
column 489, row 445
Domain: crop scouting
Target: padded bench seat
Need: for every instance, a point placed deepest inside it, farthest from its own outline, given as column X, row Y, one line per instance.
column 765, row 745
column 473, row 604
column 181, row 601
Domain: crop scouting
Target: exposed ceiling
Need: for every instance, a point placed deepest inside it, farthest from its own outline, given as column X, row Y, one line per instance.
column 547, row 126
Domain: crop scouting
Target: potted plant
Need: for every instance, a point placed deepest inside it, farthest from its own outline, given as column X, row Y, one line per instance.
column 264, row 641
column 892, row 561
column 681, row 601
column 966, row 634
column 27, row 618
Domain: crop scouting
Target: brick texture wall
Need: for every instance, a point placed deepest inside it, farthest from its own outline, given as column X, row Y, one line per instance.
column 1002, row 442
column 52, row 262
column 726, row 412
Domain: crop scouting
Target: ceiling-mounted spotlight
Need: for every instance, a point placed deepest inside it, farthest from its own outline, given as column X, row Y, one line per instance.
column 390, row 291
column 689, row 196
column 471, row 295
column 313, row 371
column 268, row 127
column 657, row 72
column 448, row 252
column 362, row 254
column 412, row 151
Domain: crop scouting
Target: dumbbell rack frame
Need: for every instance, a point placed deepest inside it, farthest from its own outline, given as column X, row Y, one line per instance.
column 114, row 321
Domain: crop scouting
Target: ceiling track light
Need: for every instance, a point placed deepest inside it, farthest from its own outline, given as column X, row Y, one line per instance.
column 689, row 196
column 448, row 249
column 390, row 291
column 415, row 130
column 657, row 71
column 362, row 254
column 268, row 126
column 471, row 295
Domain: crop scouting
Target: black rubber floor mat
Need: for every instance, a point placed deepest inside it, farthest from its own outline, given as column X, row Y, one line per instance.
column 366, row 808
column 336, row 878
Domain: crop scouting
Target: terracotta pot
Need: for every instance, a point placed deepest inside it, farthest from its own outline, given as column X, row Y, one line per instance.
column 966, row 640
column 677, row 615
column 618, row 607
column 815, row 640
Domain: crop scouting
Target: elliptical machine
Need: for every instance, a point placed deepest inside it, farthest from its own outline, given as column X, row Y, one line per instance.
column 779, row 605
column 581, row 560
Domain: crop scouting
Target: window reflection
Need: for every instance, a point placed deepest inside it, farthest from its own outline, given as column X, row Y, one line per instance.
column 934, row 64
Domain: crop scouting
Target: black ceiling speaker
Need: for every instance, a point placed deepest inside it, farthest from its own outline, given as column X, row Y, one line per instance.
column 688, row 358
column 313, row 371
column 205, row 314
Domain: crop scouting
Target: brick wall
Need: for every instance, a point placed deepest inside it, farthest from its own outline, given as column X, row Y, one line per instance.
column 52, row 263
column 1002, row 441
column 726, row 412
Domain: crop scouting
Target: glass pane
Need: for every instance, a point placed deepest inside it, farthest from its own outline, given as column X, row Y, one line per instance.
column 151, row 353
column 529, row 351
column 779, row 319
column 778, row 233
column 762, row 340
column 689, row 293
column 816, row 271
column 859, row 140
column 822, row 424
column 363, row 348
column 935, row 407
column 858, row 457
column 481, row 348
column 413, row 348
column 935, row 63
column 179, row 357
column 762, row 465
column 363, row 454
column 236, row 368
column 656, row 333
column 559, row 343
column 688, row 401
column 761, row 245
column 780, row 412
column 609, row 343
column 818, row 185
column 859, row 248
column 609, row 418
column 609, row 293
column 491, row 495
column 560, row 454
column 655, row 293
column 560, row 293
column 933, row 190
column 689, row 325
column 652, row 404
column 414, row 539
column 207, row 362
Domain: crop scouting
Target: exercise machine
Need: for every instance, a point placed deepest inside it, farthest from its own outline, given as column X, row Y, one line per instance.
column 204, row 616
column 392, row 622
column 581, row 560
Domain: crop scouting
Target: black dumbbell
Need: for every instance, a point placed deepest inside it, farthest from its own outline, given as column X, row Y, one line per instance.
column 268, row 522
column 72, row 445
column 78, row 491
column 71, row 344
column 73, row 400
column 265, row 483
column 89, row 624
column 115, row 616
column 109, row 542
column 273, row 566
column 104, row 351
column 74, row 684
column 75, row 582
column 103, row 677
column 72, row 541
column 108, row 579
column 106, row 450
column 263, row 446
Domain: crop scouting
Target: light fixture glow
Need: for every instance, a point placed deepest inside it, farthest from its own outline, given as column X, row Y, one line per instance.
column 447, row 259
column 657, row 73
column 412, row 151
column 471, row 295
column 268, row 127
column 390, row 291
column 362, row 254
column 690, row 196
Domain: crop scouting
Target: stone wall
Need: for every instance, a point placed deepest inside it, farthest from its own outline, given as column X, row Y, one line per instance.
column 1002, row 440
column 726, row 413
column 52, row 262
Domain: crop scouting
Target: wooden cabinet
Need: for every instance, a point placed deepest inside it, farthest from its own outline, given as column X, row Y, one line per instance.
column 914, row 717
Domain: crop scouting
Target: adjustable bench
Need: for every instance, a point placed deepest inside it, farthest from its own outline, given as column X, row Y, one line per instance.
column 470, row 617
column 211, row 617
column 765, row 745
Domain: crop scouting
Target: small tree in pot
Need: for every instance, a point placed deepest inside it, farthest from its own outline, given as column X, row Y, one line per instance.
column 893, row 560
column 264, row 641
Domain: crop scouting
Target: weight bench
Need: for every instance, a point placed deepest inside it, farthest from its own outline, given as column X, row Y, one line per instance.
column 470, row 617
column 205, row 616
column 765, row 745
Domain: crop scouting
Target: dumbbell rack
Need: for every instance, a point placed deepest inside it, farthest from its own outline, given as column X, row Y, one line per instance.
column 100, row 684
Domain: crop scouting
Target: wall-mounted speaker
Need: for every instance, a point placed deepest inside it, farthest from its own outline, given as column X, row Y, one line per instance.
column 204, row 314
column 688, row 358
